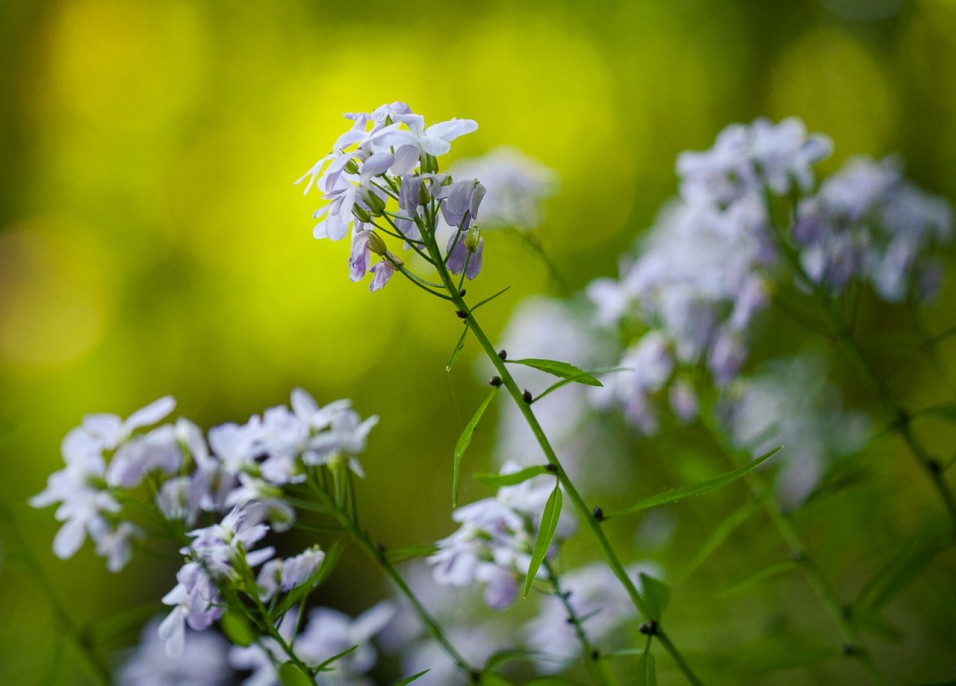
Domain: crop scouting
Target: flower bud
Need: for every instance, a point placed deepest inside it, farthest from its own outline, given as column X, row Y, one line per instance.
column 429, row 164
column 376, row 244
column 473, row 238
column 376, row 205
column 352, row 167
column 361, row 214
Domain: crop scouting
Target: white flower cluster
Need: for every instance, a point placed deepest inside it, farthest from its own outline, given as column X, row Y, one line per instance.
column 389, row 156
column 868, row 223
column 496, row 539
column 327, row 634
column 714, row 257
column 238, row 476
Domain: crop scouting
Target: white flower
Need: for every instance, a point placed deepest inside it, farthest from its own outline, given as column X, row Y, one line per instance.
column 202, row 662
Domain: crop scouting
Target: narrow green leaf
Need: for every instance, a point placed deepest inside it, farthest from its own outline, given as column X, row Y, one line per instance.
column 409, row 679
column 505, row 656
column 676, row 494
column 323, row 667
column 719, row 535
column 564, row 382
column 290, row 674
column 646, row 670
column 462, row 445
column 490, row 298
column 561, row 369
column 762, row 575
column 492, row 679
column 499, row 480
column 945, row 411
column 899, row 572
column 457, row 351
column 549, row 523
column 409, row 552
column 657, row 595
column 237, row 629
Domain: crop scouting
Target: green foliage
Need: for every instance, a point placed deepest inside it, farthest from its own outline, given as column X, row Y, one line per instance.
column 290, row 674
column 409, row 679
column 561, row 369
column 463, row 442
column 238, row 629
column 678, row 494
column 657, row 595
column 549, row 523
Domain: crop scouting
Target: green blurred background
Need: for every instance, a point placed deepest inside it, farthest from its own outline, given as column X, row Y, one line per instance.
column 152, row 242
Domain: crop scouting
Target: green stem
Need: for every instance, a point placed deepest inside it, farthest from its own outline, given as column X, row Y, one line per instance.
column 610, row 555
column 97, row 667
column 899, row 417
column 590, row 655
column 839, row 612
column 377, row 554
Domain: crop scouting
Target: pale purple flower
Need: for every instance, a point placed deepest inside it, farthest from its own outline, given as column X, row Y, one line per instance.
column 283, row 575
column 202, row 662
column 195, row 602
column 494, row 543
column 515, row 183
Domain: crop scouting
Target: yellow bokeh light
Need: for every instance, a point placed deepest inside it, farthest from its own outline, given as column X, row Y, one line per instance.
column 55, row 298
column 835, row 85
column 125, row 65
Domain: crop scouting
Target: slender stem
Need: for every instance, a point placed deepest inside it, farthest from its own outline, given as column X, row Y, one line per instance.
column 377, row 554
column 614, row 562
column 839, row 612
column 589, row 654
column 97, row 667
column 899, row 417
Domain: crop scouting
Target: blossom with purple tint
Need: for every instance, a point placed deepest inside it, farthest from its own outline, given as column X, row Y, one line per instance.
column 494, row 543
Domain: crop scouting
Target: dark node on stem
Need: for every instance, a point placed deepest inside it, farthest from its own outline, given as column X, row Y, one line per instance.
column 569, row 620
column 902, row 419
column 503, row 354
column 380, row 549
column 850, row 650
column 475, row 676
column 846, row 611
column 462, row 292
column 461, row 314
column 526, row 396
column 934, row 467
column 598, row 513
column 566, row 595
column 798, row 556
column 553, row 468
column 495, row 381
column 648, row 628
column 595, row 655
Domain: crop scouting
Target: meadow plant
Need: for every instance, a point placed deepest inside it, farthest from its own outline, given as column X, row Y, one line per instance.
column 673, row 347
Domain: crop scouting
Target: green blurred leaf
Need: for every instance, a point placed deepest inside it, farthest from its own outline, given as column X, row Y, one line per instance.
column 552, row 681
column 876, row 625
column 646, row 670
column 237, row 629
column 457, row 350
column 562, row 369
column 945, row 411
column 335, row 658
column 657, row 595
column 409, row 552
column 572, row 379
column 549, row 523
column 505, row 656
column 290, row 674
column 677, row 494
column 727, row 527
column 409, row 679
column 463, row 441
column 499, row 480
column 757, row 577
column 492, row 679
column 899, row 572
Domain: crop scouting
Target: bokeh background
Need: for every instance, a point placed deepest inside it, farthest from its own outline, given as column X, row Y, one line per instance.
column 152, row 241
